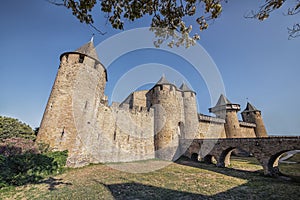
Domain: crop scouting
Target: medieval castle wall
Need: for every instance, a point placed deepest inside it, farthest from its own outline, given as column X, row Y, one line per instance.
column 147, row 124
column 210, row 127
column 78, row 119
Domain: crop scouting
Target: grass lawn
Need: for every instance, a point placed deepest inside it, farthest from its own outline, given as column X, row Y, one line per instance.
column 291, row 169
column 181, row 180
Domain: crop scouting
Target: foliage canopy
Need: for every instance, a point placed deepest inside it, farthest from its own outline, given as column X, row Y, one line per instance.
column 170, row 16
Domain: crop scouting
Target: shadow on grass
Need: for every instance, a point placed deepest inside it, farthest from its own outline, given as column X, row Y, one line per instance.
column 133, row 190
column 257, row 186
column 53, row 183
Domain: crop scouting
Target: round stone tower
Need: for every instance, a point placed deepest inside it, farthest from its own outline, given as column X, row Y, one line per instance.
column 253, row 115
column 74, row 99
column 191, row 122
column 167, row 102
column 226, row 110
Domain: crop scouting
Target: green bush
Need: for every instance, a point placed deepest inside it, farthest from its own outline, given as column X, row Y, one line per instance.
column 10, row 127
column 30, row 168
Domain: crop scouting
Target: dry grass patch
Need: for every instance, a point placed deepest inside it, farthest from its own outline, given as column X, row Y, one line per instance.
column 175, row 181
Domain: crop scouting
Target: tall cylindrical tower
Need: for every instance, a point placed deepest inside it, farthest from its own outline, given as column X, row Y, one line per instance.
column 166, row 100
column 74, row 99
column 191, row 122
column 226, row 110
column 253, row 115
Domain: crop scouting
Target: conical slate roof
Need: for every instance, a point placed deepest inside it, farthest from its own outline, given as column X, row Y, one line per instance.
column 89, row 50
column 250, row 108
column 224, row 104
column 222, row 101
column 185, row 88
column 163, row 81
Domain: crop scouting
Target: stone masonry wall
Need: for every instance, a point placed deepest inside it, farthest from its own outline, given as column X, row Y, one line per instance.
column 120, row 135
column 208, row 129
column 247, row 130
column 168, row 106
column 72, row 101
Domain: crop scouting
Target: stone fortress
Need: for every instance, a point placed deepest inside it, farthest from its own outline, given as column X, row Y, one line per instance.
column 146, row 125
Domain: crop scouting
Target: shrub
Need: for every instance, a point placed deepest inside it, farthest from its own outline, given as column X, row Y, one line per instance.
column 30, row 168
column 10, row 127
column 14, row 146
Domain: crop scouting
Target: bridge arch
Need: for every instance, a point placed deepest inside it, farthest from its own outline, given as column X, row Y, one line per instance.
column 225, row 155
column 272, row 166
column 209, row 159
column 224, row 159
column 195, row 157
column 265, row 150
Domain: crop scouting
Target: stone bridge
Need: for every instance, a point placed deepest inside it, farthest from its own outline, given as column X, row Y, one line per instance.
column 266, row 150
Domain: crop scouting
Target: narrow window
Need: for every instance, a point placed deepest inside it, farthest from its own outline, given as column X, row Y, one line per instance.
column 115, row 135
column 62, row 133
column 81, row 58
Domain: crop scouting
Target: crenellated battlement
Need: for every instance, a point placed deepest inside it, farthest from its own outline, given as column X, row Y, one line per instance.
column 134, row 109
column 77, row 57
column 164, row 88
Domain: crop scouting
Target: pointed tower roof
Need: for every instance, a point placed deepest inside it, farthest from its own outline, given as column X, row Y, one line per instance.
column 185, row 88
column 250, row 108
column 224, row 104
column 88, row 49
column 164, row 81
column 222, row 101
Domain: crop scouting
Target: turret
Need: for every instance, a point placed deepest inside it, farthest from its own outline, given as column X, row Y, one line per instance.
column 191, row 122
column 166, row 100
column 224, row 109
column 74, row 99
column 253, row 115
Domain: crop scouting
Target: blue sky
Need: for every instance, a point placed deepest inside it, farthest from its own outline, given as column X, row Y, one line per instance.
column 255, row 59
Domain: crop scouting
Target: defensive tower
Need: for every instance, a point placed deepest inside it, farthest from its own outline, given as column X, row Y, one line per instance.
column 252, row 115
column 166, row 100
column 224, row 109
column 191, row 122
column 74, row 101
